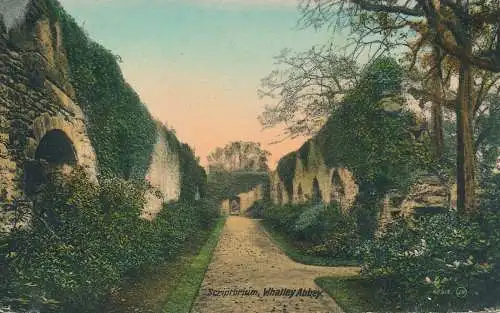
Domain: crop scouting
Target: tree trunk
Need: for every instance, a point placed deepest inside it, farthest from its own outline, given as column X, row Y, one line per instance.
column 465, row 147
column 437, row 111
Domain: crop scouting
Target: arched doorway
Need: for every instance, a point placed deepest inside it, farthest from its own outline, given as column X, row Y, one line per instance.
column 300, row 194
column 337, row 191
column 316, row 192
column 55, row 152
column 279, row 194
column 235, row 206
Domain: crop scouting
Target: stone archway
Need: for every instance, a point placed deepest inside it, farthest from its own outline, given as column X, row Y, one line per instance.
column 316, row 192
column 279, row 192
column 300, row 194
column 338, row 189
column 235, row 206
column 54, row 153
column 56, row 128
column 56, row 148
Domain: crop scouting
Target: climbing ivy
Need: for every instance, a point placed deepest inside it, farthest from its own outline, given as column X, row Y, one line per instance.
column 375, row 145
column 286, row 170
column 120, row 127
column 303, row 152
column 224, row 185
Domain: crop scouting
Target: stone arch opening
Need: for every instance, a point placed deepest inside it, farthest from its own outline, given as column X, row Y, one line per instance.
column 235, row 205
column 56, row 148
column 338, row 188
column 300, row 193
column 316, row 192
column 55, row 153
column 279, row 194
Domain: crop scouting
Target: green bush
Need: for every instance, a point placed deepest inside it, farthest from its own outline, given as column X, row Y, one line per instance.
column 436, row 262
column 282, row 218
column 84, row 239
column 257, row 209
column 317, row 230
column 337, row 234
column 310, row 224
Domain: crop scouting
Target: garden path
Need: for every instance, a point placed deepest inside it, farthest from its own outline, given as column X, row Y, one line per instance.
column 246, row 258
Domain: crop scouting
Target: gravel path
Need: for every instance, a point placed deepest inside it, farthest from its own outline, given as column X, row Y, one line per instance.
column 247, row 261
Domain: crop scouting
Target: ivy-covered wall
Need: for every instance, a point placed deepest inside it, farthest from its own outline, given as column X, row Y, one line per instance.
column 120, row 126
column 55, row 78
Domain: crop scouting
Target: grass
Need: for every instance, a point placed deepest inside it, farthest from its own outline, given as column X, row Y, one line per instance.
column 183, row 297
column 169, row 287
column 285, row 244
column 355, row 294
column 352, row 294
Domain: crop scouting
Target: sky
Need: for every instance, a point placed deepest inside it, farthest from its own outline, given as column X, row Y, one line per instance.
column 197, row 64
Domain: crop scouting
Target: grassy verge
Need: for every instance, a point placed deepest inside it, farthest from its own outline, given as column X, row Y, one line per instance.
column 150, row 290
column 352, row 294
column 355, row 295
column 295, row 254
column 182, row 298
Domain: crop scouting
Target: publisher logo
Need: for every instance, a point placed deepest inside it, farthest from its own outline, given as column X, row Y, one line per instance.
column 461, row 292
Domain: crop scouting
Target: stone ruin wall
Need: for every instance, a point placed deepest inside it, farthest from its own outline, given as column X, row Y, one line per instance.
column 163, row 175
column 36, row 98
column 428, row 191
column 247, row 199
column 278, row 193
column 307, row 172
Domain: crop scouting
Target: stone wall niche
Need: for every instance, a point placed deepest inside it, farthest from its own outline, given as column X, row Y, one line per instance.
column 54, row 153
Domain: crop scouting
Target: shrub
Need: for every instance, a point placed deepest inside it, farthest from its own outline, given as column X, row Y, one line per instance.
column 282, row 218
column 339, row 235
column 436, row 262
column 317, row 230
column 257, row 209
column 83, row 239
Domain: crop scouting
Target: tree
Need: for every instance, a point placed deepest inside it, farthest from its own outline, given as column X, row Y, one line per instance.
column 467, row 30
column 308, row 85
column 238, row 156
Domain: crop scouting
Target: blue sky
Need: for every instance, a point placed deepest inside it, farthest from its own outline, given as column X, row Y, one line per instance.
column 197, row 64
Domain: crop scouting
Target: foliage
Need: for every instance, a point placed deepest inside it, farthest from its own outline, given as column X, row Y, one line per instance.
column 183, row 297
column 83, row 239
column 257, row 209
column 120, row 127
column 303, row 153
column 239, row 156
column 193, row 176
column 487, row 128
column 491, row 197
column 439, row 262
column 317, row 229
column 308, row 85
column 282, row 218
column 366, row 208
column 352, row 294
column 286, row 170
column 224, row 185
column 376, row 145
